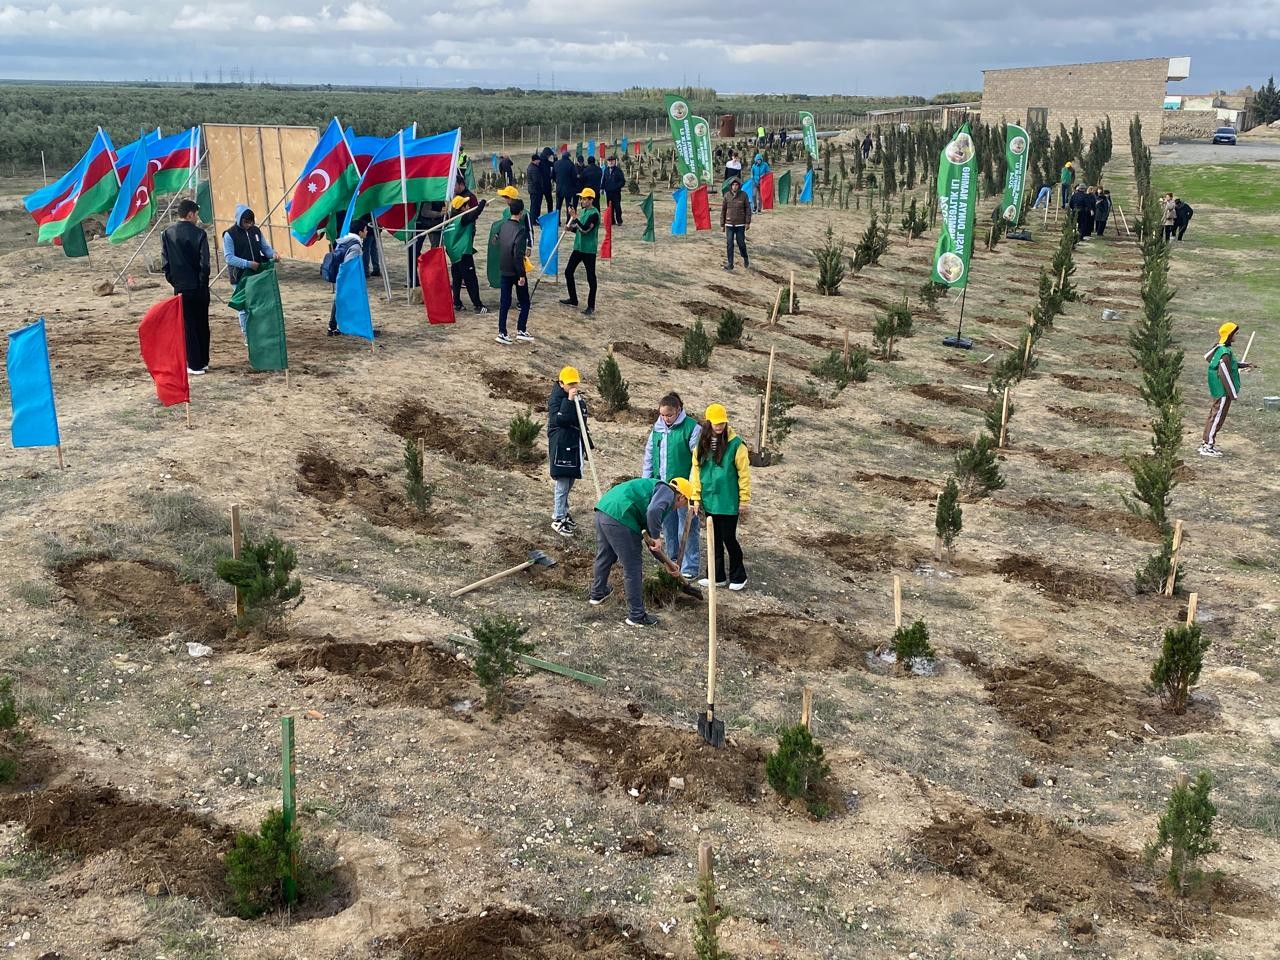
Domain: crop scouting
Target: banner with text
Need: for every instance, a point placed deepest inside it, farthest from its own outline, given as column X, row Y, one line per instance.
column 957, row 194
column 681, row 120
column 1017, row 146
column 810, row 131
column 702, row 141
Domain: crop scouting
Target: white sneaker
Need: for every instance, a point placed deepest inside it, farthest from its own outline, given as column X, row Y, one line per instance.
column 524, row 337
column 705, row 582
column 503, row 339
column 197, row 373
column 1208, row 451
column 738, row 586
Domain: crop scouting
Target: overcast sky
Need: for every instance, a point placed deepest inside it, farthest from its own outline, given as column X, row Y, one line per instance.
column 819, row 46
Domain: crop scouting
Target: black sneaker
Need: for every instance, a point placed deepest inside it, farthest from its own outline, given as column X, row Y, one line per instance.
column 480, row 309
column 729, row 267
column 569, row 522
column 589, row 312
column 334, row 332
column 570, row 303
column 457, row 305
column 645, row 620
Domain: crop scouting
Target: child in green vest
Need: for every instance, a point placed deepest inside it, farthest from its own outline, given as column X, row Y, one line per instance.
column 1224, row 386
column 586, row 240
column 459, row 239
column 722, row 490
column 667, row 455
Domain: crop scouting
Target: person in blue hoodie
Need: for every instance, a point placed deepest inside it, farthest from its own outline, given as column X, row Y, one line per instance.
column 244, row 248
column 667, row 455
column 759, row 167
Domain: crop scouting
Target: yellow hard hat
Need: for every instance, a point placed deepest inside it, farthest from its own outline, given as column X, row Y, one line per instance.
column 570, row 375
column 587, row 192
column 716, row 413
column 459, row 202
column 1226, row 330
column 682, row 486
column 511, row 193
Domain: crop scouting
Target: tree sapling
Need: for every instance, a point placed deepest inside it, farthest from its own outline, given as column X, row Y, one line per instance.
column 798, row 768
column 498, row 650
column 1186, row 831
column 1179, row 665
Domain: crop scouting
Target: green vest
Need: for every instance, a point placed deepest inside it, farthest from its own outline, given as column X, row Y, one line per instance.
column 628, row 502
column 1216, row 387
column 679, row 456
column 459, row 240
column 590, row 242
column 720, row 481
column 493, row 265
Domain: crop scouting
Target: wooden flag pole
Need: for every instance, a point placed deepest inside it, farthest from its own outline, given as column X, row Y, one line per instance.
column 1004, row 419
column 61, row 464
column 1247, row 346
column 793, row 294
column 586, row 448
column 897, row 602
column 188, row 414
column 806, row 707
column 759, row 425
column 768, row 395
column 1173, row 559
column 235, row 552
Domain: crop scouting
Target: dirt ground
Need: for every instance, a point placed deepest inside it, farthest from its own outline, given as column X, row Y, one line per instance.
column 997, row 809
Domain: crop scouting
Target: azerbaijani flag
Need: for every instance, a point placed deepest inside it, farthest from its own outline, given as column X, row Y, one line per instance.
column 407, row 170
column 135, row 205
column 326, row 185
column 93, row 191
column 174, row 161
column 41, row 203
column 126, row 155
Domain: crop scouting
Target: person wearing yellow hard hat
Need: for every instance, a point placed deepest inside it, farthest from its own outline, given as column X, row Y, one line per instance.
column 625, row 515
column 1224, row 386
column 721, row 478
column 493, row 273
column 459, row 238
column 586, row 241
column 565, row 445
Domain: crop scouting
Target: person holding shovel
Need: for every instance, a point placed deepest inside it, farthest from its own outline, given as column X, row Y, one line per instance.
column 667, row 455
column 624, row 516
column 1224, row 386
column 564, row 445
column 721, row 475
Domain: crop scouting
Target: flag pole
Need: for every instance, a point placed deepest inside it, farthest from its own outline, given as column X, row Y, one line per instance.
column 188, row 405
column 61, row 464
column 288, row 192
column 155, row 226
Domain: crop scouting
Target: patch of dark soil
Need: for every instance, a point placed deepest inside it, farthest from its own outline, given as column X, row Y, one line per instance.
column 1046, row 867
column 164, row 846
column 773, row 277
column 796, row 642
column 464, row 442
column 1106, row 339
column 572, row 570
column 858, row 552
column 643, row 353
column 799, row 395
column 34, row 761
column 404, row 672
column 1097, row 519
column 703, row 310
column 1065, row 584
column 636, row 415
column 931, row 436
column 970, row 368
column 669, row 328
column 1007, row 322
column 502, row 933
column 1114, row 362
column 1091, row 417
column 736, row 296
column 323, row 478
column 1112, row 385
column 521, row 387
column 951, row 396
column 817, row 340
column 147, row 596
column 1073, row 461
column 644, row 757
column 905, row 488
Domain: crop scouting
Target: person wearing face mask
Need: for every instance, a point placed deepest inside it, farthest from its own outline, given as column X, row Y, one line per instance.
column 721, row 475
column 667, row 455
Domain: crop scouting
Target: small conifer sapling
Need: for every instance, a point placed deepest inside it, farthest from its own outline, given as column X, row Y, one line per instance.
column 1186, row 831
column 696, row 349
column 264, row 576
column 498, row 650
column 521, row 434
column 1179, row 665
column 613, row 389
column 948, row 519
column 797, row 769
column 416, row 489
column 912, row 643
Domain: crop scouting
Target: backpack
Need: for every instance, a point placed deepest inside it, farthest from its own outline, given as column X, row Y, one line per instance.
column 333, row 261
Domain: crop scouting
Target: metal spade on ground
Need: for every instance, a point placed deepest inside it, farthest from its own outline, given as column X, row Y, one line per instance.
column 709, row 728
column 536, row 557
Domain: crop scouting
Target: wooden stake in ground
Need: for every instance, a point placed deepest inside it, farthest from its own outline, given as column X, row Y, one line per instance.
column 61, row 463
column 759, row 425
column 897, row 602
column 806, row 707
column 937, row 537
column 1120, row 210
column 793, row 292
column 1192, row 602
column 705, row 869
column 845, row 352
column 289, row 802
column 1004, row 419
column 768, row 395
column 709, row 728
column 235, row 552
column 1173, row 559
column 777, row 305
column 188, row 406
column 586, row 447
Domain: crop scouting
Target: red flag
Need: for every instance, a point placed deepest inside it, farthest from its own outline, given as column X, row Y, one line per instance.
column 635, row 147
column 163, row 340
column 701, row 209
column 564, row 148
column 437, row 295
column 766, row 190
column 600, row 148
column 606, row 248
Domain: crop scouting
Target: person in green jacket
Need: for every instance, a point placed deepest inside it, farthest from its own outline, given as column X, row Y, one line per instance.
column 493, row 271
column 667, row 455
column 624, row 515
column 586, row 240
column 722, row 490
column 1068, row 177
column 1224, row 386
column 459, row 239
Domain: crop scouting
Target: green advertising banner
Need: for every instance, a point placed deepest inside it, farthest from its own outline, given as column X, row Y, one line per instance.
column 680, row 117
column 810, row 131
column 957, row 196
column 1017, row 148
column 702, row 141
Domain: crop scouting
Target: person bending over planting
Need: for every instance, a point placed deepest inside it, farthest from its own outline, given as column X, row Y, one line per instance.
column 722, row 490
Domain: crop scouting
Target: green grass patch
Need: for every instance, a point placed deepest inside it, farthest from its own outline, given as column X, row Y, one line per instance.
column 1248, row 187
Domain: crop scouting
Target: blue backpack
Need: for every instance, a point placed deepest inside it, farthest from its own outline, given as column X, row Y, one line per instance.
column 333, row 260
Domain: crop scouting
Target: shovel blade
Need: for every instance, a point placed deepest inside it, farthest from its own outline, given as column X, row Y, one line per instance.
column 711, row 730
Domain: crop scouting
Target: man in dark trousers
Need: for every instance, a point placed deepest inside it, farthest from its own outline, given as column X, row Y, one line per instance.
column 586, row 241
column 566, row 185
column 866, row 147
column 513, row 246
column 505, row 170
column 591, row 176
column 735, row 221
column 430, row 216
column 547, row 160
column 1101, row 211
column 614, row 180
column 533, row 185
column 459, row 237
column 244, row 248
column 1182, row 213
column 184, row 251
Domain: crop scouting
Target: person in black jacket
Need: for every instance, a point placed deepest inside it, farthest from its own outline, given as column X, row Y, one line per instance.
column 614, row 180
column 505, row 170
column 566, row 185
column 1182, row 213
column 184, row 252
column 513, row 247
column 564, row 446
column 591, row 176
column 533, row 184
column 1082, row 205
column 1101, row 211
column 547, row 160
column 430, row 216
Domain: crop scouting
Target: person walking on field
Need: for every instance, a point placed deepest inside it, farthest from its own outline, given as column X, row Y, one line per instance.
column 586, row 241
column 184, row 253
column 721, row 475
column 667, row 455
column 735, row 221
column 624, row 515
column 565, row 446
column 1182, row 213
column 733, row 166
column 759, row 167
column 244, row 248
column 1224, row 387
column 459, row 239
column 513, row 246
column 1066, row 180
column 614, row 180
column 866, row 147
column 547, row 160
column 1169, row 216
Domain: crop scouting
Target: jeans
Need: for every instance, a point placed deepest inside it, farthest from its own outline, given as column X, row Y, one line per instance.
column 672, row 529
column 732, row 233
column 726, row 530
column 243, row 317
column 1066, row 194
column 618, row 544
column 560, row 503
column 372, row 264
column 588, row 260
column 464, row 272
column 504, row 304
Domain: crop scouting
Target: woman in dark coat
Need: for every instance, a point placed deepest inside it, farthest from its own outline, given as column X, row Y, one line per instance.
column 564, row 446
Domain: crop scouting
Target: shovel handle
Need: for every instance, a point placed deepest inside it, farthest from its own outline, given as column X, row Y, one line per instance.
column 684, row 538
column 493, row 579
column 586, row 447
column 711, row 619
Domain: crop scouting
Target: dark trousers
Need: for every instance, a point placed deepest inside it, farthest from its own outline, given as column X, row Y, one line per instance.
column 535, row 202
column 566, row 199
column 726, row 529
column 372, row 264
column 195, row 325
column 615, row 200
column 619, row 544
column 739, row 235
column 1084, row 223
column 504, row 304
column 1181, row 231
column 1099, row 225
column 588, row 260
column 1066, row 194
column 464, row 272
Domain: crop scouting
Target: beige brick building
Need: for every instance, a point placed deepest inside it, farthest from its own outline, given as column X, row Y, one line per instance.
column 1088, row 92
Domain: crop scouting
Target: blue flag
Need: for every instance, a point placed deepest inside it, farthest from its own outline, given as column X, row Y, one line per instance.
column 35, row 421
column 622, row 146
column 591, row 148
column 351, row 301
column 548, row 238
column 680, row 221
column 749, row 188
column 806, row 193
column 494, row 158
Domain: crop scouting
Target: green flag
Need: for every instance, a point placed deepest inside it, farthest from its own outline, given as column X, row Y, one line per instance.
column 204, row 198
column 577, row 151
column 646, row 207
column 957, row 196
column 784, row 188
column 73, row 242
column 702, row 141
column 1017, row 146
column 258, row 294
column 681, row 120
column 492, row 264
column 810, row 131
column 648, row 147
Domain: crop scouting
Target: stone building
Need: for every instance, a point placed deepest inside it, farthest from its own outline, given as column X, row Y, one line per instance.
column 1088, row 92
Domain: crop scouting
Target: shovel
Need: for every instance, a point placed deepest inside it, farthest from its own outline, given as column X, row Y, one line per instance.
column 535, row 557
column 709, row 728
column 671, row 567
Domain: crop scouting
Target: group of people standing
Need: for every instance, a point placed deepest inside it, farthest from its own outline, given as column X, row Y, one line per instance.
column 687, row 466
column 1092, row 209
column 570, row 177
column 1175, row 216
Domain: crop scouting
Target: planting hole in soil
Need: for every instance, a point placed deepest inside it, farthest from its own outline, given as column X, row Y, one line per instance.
column 642, row 353
column 1064, row 584
column 904, row 488
column 805, row 398
column 1097, row 519
column 795, row 642
column 931, row 436
column 735, row 296
column 703, row 310
column 1072, row 461
column 400, row 671
column 861, row 553
column 465, row 443
column 1090, row 417
column 951, row 396
column 523, row 388
column 1112, row 385
column 323, row 478
column 669, row 328
column 572, row 570
column 506, row 934
column 34, row 761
